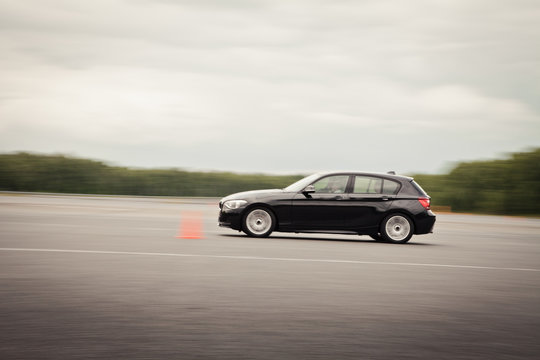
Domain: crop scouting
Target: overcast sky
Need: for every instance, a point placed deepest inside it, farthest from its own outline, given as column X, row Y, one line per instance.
column 271, row 86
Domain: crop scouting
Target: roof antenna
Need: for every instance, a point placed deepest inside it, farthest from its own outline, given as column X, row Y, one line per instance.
column 391, row 172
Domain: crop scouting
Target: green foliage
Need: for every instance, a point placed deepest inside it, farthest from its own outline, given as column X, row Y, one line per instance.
column 510, row 186
column 41, row 173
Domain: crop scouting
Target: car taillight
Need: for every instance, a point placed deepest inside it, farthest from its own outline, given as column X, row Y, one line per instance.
column 425, row 202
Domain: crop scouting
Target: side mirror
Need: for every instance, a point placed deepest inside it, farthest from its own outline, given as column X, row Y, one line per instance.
column 309, row 189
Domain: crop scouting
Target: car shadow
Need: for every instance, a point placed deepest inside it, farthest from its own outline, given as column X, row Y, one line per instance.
column 309, row 238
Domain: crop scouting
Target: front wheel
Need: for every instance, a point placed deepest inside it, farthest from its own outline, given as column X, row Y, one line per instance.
column 259, row 222
column 397, row 229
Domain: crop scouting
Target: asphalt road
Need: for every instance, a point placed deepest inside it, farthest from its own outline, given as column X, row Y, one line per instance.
column 107, row 278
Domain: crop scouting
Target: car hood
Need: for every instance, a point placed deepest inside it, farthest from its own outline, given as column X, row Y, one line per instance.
column 251, row 195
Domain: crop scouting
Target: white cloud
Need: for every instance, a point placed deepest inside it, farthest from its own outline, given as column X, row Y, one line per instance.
column 139, row 81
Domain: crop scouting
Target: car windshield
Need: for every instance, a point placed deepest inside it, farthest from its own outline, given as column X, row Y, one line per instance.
column 302, row 183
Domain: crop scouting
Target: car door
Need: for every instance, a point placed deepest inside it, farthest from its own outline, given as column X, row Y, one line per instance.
column 368, row 201
column 325, row 208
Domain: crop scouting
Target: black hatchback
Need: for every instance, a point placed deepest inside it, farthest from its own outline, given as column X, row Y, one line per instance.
column 387, row 207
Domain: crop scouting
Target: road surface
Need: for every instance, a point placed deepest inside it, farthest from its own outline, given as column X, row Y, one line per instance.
column 107, row 278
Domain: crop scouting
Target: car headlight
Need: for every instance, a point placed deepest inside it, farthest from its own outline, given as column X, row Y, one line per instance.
column 234, row 204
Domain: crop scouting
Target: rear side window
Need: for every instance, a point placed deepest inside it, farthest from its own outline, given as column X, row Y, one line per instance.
column 367, row 185
column 390, row 187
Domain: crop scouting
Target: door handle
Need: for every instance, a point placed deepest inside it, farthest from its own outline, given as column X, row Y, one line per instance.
column 385, row 198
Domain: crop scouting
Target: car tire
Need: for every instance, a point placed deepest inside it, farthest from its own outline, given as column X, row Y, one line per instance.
column 259, row 222
column 397, row 228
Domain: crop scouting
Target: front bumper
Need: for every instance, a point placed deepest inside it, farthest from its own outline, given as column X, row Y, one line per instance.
column 231, row 219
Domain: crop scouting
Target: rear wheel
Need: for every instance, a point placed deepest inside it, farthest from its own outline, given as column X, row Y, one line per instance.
column 259, row 222
column 397, row 229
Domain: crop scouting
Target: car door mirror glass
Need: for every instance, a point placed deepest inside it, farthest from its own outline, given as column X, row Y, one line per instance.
column 309, row 189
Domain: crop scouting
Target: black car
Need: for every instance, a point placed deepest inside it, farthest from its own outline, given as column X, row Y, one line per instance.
column 386, row 207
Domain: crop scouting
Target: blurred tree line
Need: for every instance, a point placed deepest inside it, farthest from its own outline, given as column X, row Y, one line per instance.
column 57, row 173
column 507, row 186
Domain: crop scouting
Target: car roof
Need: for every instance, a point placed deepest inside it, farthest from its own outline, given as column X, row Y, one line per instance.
column 367, row 173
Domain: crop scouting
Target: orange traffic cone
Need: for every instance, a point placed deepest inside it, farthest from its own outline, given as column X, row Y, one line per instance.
column 190, row 226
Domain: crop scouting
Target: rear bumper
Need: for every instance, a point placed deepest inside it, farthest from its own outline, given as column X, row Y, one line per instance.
column 425, row 222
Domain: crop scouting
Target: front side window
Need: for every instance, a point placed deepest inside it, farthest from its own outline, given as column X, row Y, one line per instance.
column 331, row 184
